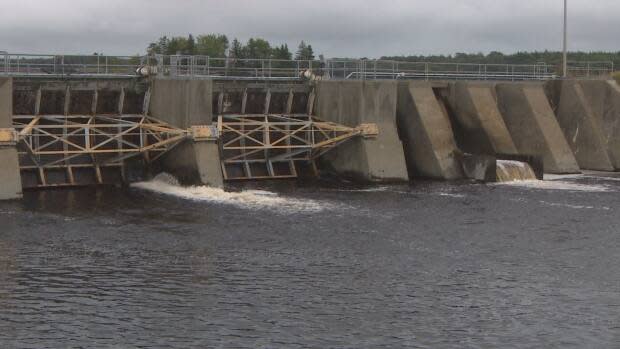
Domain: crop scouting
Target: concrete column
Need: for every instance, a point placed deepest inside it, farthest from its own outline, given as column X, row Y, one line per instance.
column 430, row 148
column 187, row 103
column 533, row 126
column 476, row 111
column 352, row 103
column 10, row 179
column 604, row 99
column 581, row 126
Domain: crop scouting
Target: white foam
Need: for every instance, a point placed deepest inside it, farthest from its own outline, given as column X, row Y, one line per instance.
column 576, row 207
column 365, row 190
column 557, row 185
column 249, row 199
column 552, row 177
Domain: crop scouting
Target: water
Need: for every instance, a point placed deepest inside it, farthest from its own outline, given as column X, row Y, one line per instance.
column 509, row 171
column 434, row 265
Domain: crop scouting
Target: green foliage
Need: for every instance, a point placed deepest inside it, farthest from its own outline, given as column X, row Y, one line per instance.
column 212, row 45
column 304, row 52
column 281, row 52
column 549, row 57
column 257, row 48
column 218, row 46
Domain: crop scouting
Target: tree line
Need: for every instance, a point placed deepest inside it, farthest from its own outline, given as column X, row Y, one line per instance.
column 549, row 57
column 218, row 46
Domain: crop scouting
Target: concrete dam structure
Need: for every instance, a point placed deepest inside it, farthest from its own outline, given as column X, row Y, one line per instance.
column 74, row 131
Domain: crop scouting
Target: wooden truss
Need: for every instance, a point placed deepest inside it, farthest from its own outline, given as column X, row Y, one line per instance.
column 65, row 143
column 269, row 146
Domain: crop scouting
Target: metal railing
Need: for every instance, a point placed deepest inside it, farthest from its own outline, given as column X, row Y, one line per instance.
column 274, row 69
column 590, row 69
column 69, row 65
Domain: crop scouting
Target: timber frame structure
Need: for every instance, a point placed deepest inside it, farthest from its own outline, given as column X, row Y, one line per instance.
column 55, row 146
column 269, row 146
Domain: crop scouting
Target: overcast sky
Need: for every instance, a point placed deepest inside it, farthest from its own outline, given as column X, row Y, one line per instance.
column 337, row 28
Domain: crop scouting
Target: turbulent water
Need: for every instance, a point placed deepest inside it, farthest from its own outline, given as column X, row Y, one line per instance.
column 526, row 264
column 510, row 171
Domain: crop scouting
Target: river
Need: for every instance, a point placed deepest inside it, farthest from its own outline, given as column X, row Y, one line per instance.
column 320, row 265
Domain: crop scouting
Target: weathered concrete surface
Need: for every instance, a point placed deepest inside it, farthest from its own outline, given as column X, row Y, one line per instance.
column 604, row 99
column 352, row 103
column 427, row 135
column 533, row 126
column 581, row 126
column 10, row 179
column 186, row 103
column 183, row 102
column 481, row 168
column 475, row 108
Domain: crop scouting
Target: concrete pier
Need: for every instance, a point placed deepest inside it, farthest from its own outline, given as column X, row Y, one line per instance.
column 186, row 104
column 352, row 103
column 604, row 100
column 427, row 134
column 581, row 127
column 533, row 126
column 475, row 108
column 10, row 180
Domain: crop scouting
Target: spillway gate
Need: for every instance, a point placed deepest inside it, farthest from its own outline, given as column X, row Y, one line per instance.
column 264, row 146
column 71, row 150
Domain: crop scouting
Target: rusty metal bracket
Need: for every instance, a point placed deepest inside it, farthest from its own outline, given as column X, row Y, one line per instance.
column 8, row 136
column 204, row 133
column 369, row 130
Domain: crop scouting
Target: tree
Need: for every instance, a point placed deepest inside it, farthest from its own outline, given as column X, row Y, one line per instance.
column 190, row 46
column 304, row 52
column 212, row 45
column 282, row 52
column 236, row 50
column 258, row 48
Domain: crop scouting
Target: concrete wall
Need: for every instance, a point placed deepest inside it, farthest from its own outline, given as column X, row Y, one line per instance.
column 355, row 102
column 427, row 135
column 186, row 103
column 11, row 185
column 581, row 126
column 475, row 108
column 604, row 100
column 533, row 127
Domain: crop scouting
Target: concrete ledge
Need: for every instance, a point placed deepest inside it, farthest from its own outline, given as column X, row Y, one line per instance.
column 427, row 135
column 533, row 126
column 352, row 103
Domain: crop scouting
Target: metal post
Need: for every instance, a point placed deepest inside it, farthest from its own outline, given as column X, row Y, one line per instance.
column 565, row 58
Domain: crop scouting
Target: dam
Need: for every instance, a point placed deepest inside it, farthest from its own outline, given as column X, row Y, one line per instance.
column 95, row 120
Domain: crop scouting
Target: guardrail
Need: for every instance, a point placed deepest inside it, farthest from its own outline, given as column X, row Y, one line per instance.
column 274, row 69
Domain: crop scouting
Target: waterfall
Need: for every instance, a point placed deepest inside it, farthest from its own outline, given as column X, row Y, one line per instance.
column 509, row 171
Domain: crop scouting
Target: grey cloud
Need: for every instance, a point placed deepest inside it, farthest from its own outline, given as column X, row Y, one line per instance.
column 335, row 28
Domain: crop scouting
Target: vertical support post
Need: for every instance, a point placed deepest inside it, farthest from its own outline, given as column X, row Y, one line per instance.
column 220, row 103
column 311, row 98
column 289, row 102
column 267, row 101
column 121, row 101
column 67, row 100
column 565, row 53
column 244, row 100
column 93, row 106
column 147, row 102
column 37, row 102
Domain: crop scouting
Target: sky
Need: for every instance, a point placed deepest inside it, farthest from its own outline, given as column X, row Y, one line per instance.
column 335, row 28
